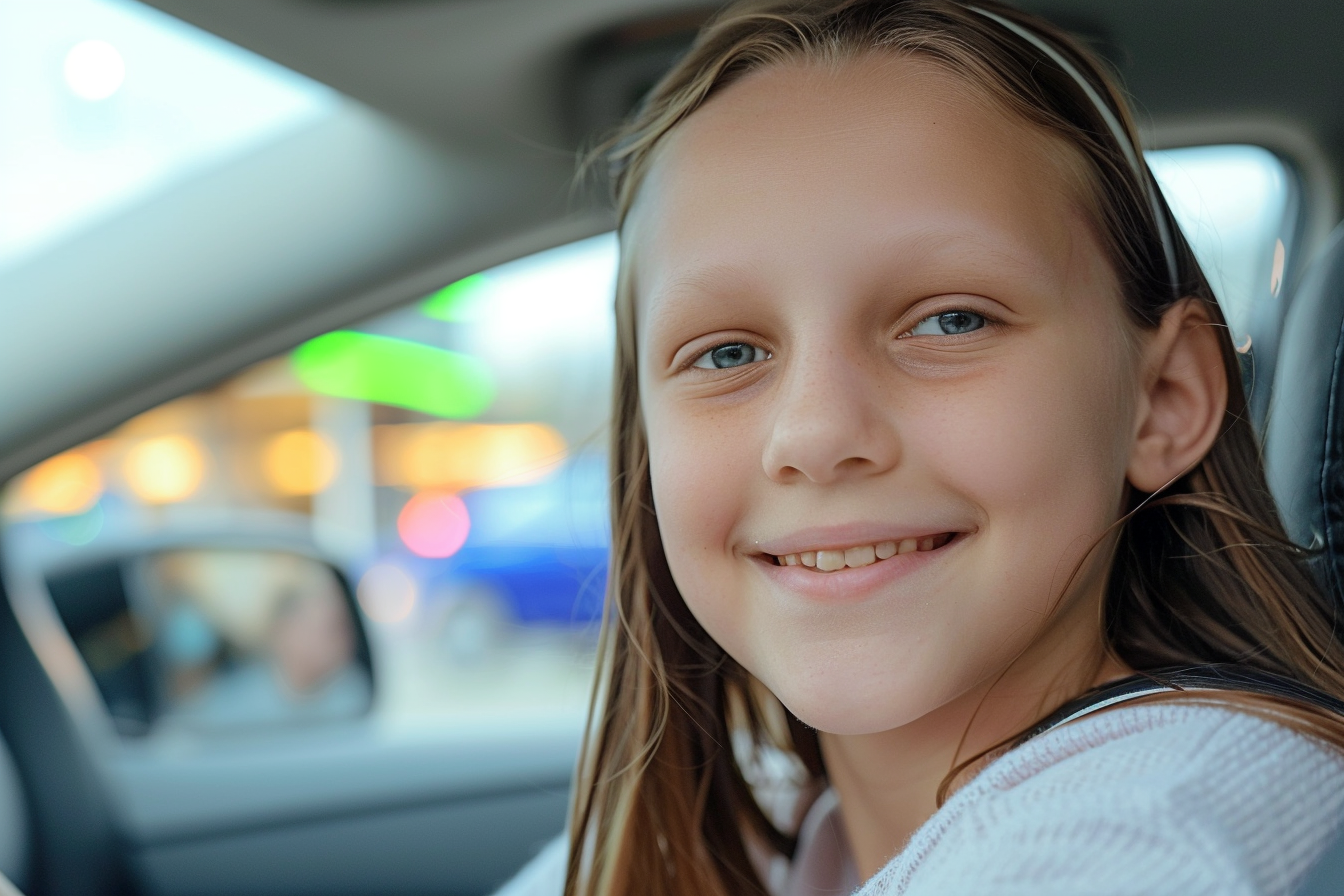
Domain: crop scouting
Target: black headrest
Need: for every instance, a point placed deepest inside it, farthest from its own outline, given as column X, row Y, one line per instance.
column 1304, row 437
column 1304, row 450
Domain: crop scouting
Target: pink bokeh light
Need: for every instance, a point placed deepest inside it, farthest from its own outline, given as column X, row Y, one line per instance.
column 434, row 524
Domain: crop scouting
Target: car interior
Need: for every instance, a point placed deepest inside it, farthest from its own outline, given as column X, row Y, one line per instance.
column 277, row 618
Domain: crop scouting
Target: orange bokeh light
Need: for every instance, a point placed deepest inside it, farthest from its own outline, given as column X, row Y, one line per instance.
column 64, row 485
column 458, row 457
column 299, row 462
column 164, row 469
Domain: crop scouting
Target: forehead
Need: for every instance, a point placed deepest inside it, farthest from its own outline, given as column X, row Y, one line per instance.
column 803, row 158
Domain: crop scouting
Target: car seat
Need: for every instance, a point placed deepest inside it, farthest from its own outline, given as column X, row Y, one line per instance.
column 1304, row 438
column 1304, row 450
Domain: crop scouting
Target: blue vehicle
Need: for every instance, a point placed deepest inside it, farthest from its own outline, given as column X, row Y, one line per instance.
column 535, row 585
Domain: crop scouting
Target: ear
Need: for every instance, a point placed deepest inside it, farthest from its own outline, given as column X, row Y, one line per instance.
column 1183, row 396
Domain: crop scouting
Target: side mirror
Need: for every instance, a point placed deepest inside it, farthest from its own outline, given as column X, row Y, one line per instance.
column 217, row 639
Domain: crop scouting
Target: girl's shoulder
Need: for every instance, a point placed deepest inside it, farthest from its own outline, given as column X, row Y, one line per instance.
column 1158, row 798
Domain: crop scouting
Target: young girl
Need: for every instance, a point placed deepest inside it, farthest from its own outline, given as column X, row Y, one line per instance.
column 926, row 424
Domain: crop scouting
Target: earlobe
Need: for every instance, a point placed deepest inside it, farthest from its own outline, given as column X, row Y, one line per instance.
column 1184, row 396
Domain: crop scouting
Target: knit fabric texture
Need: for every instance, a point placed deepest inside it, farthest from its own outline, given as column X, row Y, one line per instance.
column 1151, row 799
column 1161, row 799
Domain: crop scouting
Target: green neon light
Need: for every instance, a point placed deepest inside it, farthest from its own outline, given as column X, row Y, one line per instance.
column 458, row 302
column 396, row 372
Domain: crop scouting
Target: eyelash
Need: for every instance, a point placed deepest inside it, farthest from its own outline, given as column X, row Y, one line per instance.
column 985, row 322
column 756, row 349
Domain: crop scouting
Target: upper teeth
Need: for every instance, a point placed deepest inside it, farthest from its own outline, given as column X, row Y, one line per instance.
column 863, row 555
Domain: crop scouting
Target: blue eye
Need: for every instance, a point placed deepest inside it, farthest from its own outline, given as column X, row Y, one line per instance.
column 949, row 323
column 732, row 354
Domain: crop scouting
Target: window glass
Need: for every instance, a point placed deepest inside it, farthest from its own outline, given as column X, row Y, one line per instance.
column 105, row 102
column 1235, row 207
column 448, row 458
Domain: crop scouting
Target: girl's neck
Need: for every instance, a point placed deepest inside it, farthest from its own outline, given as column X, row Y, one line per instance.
column 888, row 781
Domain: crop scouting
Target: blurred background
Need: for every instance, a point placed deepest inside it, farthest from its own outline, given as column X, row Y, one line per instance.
column 449, row 458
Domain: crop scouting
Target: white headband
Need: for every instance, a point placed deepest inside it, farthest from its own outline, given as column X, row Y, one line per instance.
column 1121, row 136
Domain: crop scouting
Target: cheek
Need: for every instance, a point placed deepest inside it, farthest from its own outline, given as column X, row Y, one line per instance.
column 701, row 471
column 706, row 475
column 1040, row 446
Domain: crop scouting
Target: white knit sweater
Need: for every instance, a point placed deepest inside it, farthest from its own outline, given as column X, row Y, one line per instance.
column 1143, row 800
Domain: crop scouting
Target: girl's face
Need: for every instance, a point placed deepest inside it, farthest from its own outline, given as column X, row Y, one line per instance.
column 877, row 332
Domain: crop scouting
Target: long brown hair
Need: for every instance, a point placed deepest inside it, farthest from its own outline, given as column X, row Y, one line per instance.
column 1203, row 572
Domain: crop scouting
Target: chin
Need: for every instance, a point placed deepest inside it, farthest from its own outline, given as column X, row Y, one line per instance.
column 847, row 710
column 842, row 723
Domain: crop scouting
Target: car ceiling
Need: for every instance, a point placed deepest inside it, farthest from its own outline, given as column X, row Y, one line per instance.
column 496, row 70
column 458, row 152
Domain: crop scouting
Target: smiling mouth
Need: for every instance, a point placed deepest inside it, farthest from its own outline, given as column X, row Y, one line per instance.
column 861, row 555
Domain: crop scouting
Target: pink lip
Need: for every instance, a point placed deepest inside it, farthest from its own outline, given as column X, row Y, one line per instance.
column 837, row 538
column 850, row 585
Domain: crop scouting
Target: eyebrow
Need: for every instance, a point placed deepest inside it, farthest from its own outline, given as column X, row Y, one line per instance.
column 696, row 282
column 941, row 243
column 1000, row 258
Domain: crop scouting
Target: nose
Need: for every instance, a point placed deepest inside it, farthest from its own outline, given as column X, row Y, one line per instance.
column 833, row 419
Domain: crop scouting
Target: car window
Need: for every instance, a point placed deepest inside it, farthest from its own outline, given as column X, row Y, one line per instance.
column 1236, row 206
column 448, row 461
column 107, row 102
